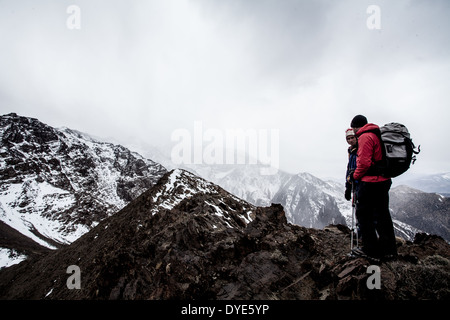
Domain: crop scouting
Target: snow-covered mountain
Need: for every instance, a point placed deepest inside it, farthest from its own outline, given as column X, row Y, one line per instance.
column 434, row 183
column 308, row 202
column 429, row 212
column 57, row 184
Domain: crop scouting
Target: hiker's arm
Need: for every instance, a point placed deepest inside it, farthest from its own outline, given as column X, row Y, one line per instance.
column 365, row 155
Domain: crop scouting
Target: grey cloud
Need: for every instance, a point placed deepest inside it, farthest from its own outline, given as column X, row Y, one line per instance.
column 137, row 70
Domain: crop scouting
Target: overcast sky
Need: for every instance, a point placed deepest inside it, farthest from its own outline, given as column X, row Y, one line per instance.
column 137, row 71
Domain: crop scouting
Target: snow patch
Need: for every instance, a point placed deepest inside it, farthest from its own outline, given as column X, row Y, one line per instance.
column 9, row 257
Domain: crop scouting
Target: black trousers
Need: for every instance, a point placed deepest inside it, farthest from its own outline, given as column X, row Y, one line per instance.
column 372, row 212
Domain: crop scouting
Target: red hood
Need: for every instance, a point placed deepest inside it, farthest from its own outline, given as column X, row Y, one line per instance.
column 367, row 127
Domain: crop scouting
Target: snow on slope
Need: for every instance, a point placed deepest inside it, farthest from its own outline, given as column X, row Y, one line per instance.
column 27, row 207
column 182, row 184
column 8, row 257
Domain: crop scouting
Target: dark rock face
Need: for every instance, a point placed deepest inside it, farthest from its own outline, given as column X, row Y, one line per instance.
column 189, row 239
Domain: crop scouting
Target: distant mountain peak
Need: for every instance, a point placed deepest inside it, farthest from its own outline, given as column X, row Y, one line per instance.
column 406, row 189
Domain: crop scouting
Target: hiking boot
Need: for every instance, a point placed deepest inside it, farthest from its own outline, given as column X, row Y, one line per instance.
column 360, row 253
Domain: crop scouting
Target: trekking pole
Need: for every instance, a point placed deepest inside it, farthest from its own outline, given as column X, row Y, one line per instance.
column 353, row 218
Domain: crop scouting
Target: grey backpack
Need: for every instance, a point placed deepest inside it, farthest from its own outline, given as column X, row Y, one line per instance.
column 398, row 152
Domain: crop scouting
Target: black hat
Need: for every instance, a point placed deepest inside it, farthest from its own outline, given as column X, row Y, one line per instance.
column 358, row 121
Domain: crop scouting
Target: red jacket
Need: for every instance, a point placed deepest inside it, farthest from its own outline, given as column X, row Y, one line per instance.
column 369, row 151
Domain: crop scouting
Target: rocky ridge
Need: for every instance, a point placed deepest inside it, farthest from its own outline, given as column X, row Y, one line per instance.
column 186, row 238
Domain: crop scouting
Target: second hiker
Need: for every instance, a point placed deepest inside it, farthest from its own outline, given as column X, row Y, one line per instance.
column 351, row 166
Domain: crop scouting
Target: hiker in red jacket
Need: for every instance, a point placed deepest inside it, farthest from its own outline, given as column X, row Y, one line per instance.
column 372, row 208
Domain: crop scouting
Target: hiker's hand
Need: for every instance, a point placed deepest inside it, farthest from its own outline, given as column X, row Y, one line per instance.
column 350, row 178
column 348, row 194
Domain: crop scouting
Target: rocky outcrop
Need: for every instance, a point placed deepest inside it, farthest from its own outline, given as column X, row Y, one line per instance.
column 189, row 239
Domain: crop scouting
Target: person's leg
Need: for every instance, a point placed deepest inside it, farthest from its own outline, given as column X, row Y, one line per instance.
column 365, row 215
column 384, row 226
